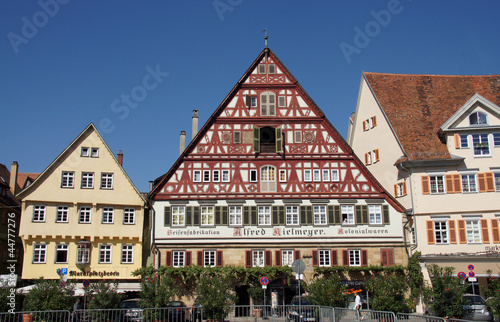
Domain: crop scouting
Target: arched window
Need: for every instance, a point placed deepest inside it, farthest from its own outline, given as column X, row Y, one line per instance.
column 478, row 118
column 268, row 179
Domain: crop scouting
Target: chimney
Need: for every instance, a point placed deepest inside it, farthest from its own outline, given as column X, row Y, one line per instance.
column 195, row 123
column 14, row 169
column 183, row 142
column 120, row 157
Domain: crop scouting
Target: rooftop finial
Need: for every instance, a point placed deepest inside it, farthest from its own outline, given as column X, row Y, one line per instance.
column 265, row 37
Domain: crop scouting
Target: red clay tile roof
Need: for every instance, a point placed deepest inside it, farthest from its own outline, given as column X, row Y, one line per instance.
column 418, row 105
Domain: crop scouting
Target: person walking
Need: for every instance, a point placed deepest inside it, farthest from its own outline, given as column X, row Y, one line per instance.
column 357, row 302
column 76, row 312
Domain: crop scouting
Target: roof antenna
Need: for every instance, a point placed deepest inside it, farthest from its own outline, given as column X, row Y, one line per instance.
column 265, row 37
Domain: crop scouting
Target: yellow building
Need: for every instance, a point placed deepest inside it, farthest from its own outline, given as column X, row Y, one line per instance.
column 83, row 213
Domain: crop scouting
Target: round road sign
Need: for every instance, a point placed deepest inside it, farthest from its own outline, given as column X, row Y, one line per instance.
column 472, row 274
column 462, row 275
column 470, row 267
column 264, row 280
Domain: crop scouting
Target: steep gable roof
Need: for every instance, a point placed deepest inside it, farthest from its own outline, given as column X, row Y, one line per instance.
column 418, row 105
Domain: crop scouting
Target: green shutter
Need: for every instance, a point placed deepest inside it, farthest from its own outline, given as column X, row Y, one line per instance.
column 275, row 215
column 338, row 219
column 166, row 220
column 281, row 215
column 364, row 214
column 303, row 216
column 256, row 139
column 246, row 215
column 279, row 139
column 189, row 216
column 225, row 215
column 253, row 215
column 385, row 210
column 357, row 213
column 196, row 216
column 218, row 214
column 309, row 215
column 248, row 101
column 331, row 218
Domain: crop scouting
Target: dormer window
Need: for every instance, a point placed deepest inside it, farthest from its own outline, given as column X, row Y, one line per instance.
column 478, row 118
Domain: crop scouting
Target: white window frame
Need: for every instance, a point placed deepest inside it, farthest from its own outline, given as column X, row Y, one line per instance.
column 107, row 180
column 375, row 214
column 207, row 215
column 235, row 215
column 324, row 258
column 268, row 108
column 464, row 141
column 61, row 248
column 335, row 175
column 127, row 255
column 347, row 214
column 307, row 175
column 253, row 101
column 85, row 215
column 94, row 152
column 483, row 139
column 178, row 216
column 178, row 258
column 39, row 212
column 441, row 232
column 326, row 175
column 216, row 176
column 268, row 178
column 469, row 182
column 262, row 69
column 225, row 176
column 62, row 214
column 496, row 178
column 209, row 258
column 354, row 257
column 319, row 214
column 253, row 175
column 39, row 253
column 264, row 215
column 68, row 179
column 87, row 180
column 478, row 117
column 473, row 229
column 297, row 137
column 105, row 253
column 108, row 215
column 83, row 255
column 400, row 192
column 436, row 184
column 282, row 175
column 85, row 151
column 196, row 175
column 206, row 175
column 281, row 99
column 272, row 69
column 316, row 175
column 292, row 215
column 496, row 140
column 129, row 216
column 287, row 257
column 258, row 258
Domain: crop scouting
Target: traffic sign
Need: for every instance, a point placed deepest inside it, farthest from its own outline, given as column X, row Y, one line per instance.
column 64, row 271
column 472, row 274
column 86, row 283
column 264, row 280
column 462, row 275
column 470, row 267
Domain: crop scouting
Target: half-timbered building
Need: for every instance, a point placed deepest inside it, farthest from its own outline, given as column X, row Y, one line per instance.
column 268, row 180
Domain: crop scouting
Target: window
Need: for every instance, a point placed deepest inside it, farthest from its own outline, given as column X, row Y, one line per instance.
column 206, row 175
column 38, row 213
column 264, row 215
column 178, row 258
column 88, row 180
column 267, row 104
column 209, row 258
column 354, row 257
column 375, row 214
column 368, row 158
column 464, row 142
column 473, row 231
column 237, row 134
column 324, row 257
column 39, row 253
column 62, row 253
column 62, row 214
column 478, row 118
column 400, row 189
column 225, row 175
column 282, row 101
column 178, row 215
column 286, row 258
column 85, row 152
column 258, row 258
column 326, row 175
column 262, row 69
column 496, row 139
column 253, row 102
column 317, row 175
column 282, row 175
column 481, row 145
column 469, row 183
column 413, row 236
column 335, row 175
column 267, row 139
column 441, row 232
column 235, row 215
column 216, row 176
column 67, row 179
column 104, row 254
column 83, row 254
column 106, row 181
column 108, row 215
column 253, row 175
column 292, row 215
column 307, row 175
column 197, row 175
column 497, row 181
column 85, row 214
column 347, row 212
column 298, row 136
column 319, row 215
column 94, row 153
column 207, row 215
column 129, row 216
column 437, row 184
column 127, row 254
column 268, row 179
column 272, row 69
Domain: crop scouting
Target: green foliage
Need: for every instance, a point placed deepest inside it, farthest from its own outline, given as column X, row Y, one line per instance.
column 446, row 296
column 256, row 293
column 215, row 292
column 158, row 290
column 368, row 270
column 493, row 294
column 388, row 292
column 103, row 295
column 416, row 278
column 9, row 299
column 49, row 295
column 328, row 291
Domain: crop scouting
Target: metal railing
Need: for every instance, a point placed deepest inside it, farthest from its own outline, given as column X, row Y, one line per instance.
column 419, row 317
column 55, row 316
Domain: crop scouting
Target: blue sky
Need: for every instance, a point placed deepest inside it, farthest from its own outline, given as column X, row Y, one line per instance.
column 66, row 63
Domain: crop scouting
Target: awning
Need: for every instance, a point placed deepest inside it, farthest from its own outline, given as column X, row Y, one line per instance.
column 79, row 290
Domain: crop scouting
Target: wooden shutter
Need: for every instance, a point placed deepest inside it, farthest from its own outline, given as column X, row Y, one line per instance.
column 481, row 180
column 196, row 216
column 495, row 231
column 277, row 255
column 453, row 231
column 167, row 214
column 168, row 258
column 404, row 188
column 305, row 215
column 387, row 256
column 248, row 258
column 189, row 216
column 338, row 218
column 279, row 139
column 361, row 214
column 457, row 140
column 315, row 258
column 490, row 181
column 425, row 185
column 274, row 212
column 268, row 258
column 462, row 233
column 246, row 215
column 335, row 260
column 345, row 257
column 364, row 126
column 248, row 101
column 296, row 254
column 220, row 260
column 377, row 157
column 364, row 257
column 200, row 258
column 457, row 182
column 221, row 215
column 256, row 139
column 188, row 259
column 385, row 214
column 374, row 121
column 484, row 231
column 430, row 232
column 396, row 190
column 367, row 159
column 450, row 188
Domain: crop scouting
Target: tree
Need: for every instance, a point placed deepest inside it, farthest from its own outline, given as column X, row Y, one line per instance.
column 48, row 295
column 493, row 294
column 9, row 299
column 158, row 290
column 446, row 297
column 215, row 293
column 328, row 291
column 388, row 292
column 103, row 295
